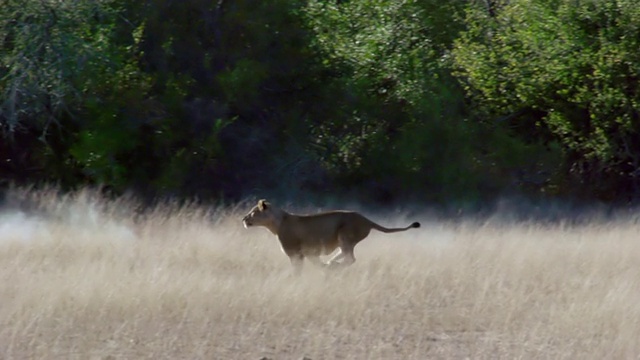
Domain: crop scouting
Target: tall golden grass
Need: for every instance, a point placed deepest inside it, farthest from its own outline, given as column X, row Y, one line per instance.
column 86, row 278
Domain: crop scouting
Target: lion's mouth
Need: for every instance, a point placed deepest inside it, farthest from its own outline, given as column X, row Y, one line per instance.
column 246, row 224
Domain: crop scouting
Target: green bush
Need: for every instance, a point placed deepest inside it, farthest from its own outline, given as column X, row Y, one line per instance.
column 565, row 68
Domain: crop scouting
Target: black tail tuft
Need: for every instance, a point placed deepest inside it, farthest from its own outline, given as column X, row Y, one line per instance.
column 415, row 225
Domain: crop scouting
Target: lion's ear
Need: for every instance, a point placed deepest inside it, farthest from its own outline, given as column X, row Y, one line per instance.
column 262, row 204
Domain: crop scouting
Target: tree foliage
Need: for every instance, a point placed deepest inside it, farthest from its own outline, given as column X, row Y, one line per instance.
column 443, row 102
column 566, row 71
column 402, row 110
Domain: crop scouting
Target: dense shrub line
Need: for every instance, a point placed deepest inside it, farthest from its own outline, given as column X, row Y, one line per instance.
column 454, row 102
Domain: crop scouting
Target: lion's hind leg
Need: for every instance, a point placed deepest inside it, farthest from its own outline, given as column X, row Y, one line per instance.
column 315, row 260
column 348, row 257
column 335, row 259
column 345, row 257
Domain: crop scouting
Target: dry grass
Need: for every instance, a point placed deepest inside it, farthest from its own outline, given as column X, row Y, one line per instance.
column 80, row 279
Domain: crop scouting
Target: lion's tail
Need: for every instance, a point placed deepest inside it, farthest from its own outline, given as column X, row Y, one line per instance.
column 392, row 230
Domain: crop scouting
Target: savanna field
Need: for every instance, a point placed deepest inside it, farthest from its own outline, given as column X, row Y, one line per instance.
column 82, row 277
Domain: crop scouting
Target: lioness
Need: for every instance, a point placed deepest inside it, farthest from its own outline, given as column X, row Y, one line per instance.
column 309, row 236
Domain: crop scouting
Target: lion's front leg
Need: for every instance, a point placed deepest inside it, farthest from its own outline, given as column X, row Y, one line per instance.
column 297, row 261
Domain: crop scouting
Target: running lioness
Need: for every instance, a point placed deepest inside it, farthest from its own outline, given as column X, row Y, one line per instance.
column 310, row 236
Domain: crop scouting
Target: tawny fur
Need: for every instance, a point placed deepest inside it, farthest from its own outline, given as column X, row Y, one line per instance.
column 310, row 236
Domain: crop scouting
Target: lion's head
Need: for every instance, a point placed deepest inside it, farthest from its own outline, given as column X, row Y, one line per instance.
column 263, row 214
